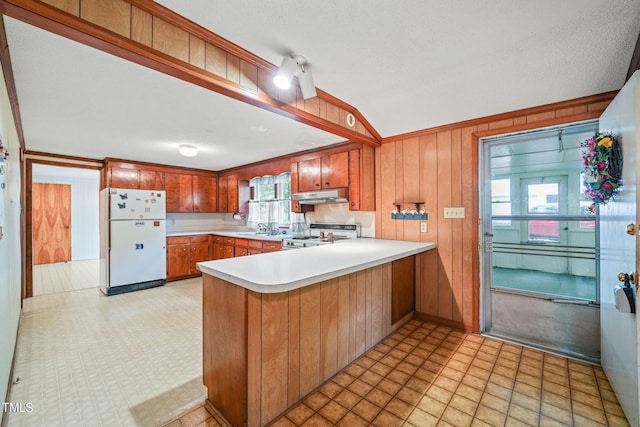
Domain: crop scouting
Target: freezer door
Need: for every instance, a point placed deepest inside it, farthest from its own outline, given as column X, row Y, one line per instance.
column 137, row 204
column 138, row 252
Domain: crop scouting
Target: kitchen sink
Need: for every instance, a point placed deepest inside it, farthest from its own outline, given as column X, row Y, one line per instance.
column 254, row 233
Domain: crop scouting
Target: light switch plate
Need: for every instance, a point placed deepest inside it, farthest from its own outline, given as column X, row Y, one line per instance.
column 423, row 227
column 457, row 213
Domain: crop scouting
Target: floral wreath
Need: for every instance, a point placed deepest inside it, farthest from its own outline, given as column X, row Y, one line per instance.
column 4, row 153
column 602, row 157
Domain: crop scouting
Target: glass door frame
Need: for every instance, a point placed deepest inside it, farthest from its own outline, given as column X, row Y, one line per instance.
column 486, row 233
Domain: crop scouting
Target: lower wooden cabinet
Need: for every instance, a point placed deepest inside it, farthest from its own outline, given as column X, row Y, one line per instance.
column 183, row 254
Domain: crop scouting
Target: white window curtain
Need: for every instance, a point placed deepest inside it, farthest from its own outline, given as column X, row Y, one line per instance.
column 271, row 201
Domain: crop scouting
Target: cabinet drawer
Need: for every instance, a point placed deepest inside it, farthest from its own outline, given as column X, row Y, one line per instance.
column 255, row 244
column 199, row 239
column 229, row 241
column 218, row 239
column 271, row 246
column 254, row 251
column 242, row 242
column 177, row 240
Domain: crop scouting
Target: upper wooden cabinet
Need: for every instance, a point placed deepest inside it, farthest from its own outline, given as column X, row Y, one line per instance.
column 190, row 193
column 233, row 194
column 205, row 189
column 179, row 189
column 349, row 167
column 137, row 178
column 330, row 171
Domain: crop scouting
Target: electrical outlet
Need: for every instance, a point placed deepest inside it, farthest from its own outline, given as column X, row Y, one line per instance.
column 423, row 227
column 457, row 213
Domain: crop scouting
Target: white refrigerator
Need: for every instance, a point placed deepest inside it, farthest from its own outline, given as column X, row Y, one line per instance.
column 132, row 240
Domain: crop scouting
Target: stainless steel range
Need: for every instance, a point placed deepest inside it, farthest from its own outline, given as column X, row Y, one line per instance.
column 323, row 234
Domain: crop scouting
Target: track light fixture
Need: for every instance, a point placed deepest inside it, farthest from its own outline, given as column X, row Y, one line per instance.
column 294, row 66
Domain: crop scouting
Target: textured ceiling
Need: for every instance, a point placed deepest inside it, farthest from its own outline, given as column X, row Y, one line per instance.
column 405, row 65
column 416, row 64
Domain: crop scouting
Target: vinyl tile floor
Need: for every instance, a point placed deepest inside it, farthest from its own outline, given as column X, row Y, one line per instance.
column 430, row 375
column 65, row 276
column 84, row 359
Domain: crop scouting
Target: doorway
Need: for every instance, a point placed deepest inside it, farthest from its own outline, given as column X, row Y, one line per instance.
column 65, row 243
column 540, row 242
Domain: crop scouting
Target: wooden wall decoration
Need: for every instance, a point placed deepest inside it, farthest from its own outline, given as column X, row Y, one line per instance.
column 440, row 166
column 51, row 223
column 147, row 33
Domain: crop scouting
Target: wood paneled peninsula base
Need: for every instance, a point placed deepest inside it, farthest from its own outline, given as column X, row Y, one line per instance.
column 277, row 325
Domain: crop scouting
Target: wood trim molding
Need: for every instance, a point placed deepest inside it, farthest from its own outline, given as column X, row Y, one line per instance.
column 7, row 70
column 634, row 65
column 31, row 158
column 91, row 34
column 441, row 321
column 603, row 97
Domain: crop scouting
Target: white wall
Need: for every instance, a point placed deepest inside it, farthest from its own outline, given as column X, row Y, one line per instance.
column 340, row 213
column 196, row 222
column 85, row 188
column 10, row 262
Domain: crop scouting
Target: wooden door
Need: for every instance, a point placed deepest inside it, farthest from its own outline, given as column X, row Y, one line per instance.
column 204, row 193
column 335, row 170
column 51, row 222
column 309, row 175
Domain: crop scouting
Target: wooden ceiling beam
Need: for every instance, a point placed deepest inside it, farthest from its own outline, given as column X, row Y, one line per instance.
column 324, row 112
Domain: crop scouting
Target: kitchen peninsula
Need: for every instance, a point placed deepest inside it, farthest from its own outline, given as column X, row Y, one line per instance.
column 277, row 325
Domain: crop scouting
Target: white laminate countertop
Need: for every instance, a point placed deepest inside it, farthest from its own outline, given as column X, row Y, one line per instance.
column 232, row 233
column 288, row 270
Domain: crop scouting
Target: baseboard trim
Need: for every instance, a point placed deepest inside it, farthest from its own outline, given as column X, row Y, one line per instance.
column 5, row 419
column 442, row 321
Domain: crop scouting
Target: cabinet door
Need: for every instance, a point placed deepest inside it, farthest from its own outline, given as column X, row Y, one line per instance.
column 240, row 251
column 402, row 288
column 177, row 260
column 228, row 251
column 335, row 170
column 204, row 193
column 222, row 194
column 124, row 178
column 199, row 252
column 151, row 180
column 232, row 194
column 309, row 175
column 179, row 192
column 218, row 251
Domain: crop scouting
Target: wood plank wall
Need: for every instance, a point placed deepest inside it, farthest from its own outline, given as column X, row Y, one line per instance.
column 284, row 345
column 440, row 167
column 161, row 30
column 310, row 334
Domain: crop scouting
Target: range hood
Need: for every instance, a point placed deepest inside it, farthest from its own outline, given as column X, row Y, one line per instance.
column 320, row 197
